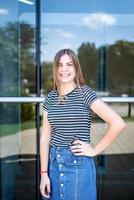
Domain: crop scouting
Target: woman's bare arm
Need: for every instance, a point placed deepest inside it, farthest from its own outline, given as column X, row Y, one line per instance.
column 115, row 124
column 45, row 142
column 45, row 137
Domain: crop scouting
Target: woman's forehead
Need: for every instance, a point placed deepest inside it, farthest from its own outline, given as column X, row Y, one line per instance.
column 65, row 58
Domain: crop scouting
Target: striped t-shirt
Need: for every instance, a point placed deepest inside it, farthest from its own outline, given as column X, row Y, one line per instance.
column 71, row 118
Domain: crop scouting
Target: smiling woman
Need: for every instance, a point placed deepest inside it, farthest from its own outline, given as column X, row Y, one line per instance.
column 66, row 69
column 66, row 133
column 101, row 35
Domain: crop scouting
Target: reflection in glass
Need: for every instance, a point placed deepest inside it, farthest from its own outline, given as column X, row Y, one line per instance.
column 17, row 121
column 115, row 164
column 104, row 44
column 27, row 58
column 18, row 150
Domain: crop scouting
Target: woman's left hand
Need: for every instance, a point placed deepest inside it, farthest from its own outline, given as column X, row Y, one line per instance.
column 80, row 148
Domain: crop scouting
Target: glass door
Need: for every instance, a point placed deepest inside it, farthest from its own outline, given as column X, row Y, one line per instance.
column 18, row 141
column 100, row 32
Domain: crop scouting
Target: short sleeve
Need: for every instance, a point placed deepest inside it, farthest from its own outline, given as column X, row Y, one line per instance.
column 89, row 96
column 46, row 103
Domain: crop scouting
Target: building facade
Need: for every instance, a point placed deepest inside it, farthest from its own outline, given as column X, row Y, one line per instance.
column 31, row 32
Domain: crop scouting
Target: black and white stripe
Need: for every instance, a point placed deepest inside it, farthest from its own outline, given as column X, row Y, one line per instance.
column 72, row 118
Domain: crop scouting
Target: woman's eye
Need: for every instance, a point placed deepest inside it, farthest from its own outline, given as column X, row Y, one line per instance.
column 59, row 65
column 70, row 65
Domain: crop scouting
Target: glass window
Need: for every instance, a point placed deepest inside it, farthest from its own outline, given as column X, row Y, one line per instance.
column 101, row 34
column 17, row 121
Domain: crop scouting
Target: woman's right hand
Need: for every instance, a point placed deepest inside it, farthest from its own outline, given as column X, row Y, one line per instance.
column 45, row 186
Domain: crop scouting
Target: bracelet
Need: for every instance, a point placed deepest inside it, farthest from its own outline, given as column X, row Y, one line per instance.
column 43, row 172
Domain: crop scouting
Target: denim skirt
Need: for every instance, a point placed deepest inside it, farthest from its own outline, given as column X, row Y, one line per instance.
column 71, row 177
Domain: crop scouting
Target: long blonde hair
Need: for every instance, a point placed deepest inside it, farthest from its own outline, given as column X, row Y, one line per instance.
column 79, row 79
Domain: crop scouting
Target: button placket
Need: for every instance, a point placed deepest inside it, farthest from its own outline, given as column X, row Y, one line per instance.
column 60, row 162
column 62, row 181
column 62, row 188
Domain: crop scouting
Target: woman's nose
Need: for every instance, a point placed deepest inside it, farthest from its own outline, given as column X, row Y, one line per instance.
column 64, row 68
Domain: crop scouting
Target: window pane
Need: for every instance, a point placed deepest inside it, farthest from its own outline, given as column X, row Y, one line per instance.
column 18, row 151
column 17, row 121
column 100, row 32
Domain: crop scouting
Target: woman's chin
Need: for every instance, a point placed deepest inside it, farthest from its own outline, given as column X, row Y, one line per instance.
column 65, row 81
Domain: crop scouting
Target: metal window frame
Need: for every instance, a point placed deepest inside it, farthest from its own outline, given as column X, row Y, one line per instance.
column 38, row 92
column 41, row 99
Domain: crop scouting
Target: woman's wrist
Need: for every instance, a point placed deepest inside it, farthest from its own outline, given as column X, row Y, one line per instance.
column 42, row 172
column 92, row 151
column 95, row 153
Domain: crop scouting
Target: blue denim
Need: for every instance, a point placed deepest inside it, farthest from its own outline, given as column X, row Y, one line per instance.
column 71, row 177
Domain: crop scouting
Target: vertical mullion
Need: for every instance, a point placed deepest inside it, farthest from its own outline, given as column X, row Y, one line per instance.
column 38, row 89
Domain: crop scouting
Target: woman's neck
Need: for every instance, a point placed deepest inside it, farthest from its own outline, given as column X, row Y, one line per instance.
column 66, row 88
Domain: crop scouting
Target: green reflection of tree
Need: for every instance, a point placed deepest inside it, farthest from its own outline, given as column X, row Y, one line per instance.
column 121, row 67
column 9, row 60
column 27, row 58
column 17, row 58
column 17, row 63
column 46, row 77
column 28, row 68
column 9, row 71
column 87, row 55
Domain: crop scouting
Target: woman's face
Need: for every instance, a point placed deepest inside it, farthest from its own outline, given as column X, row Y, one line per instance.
column 66, row 70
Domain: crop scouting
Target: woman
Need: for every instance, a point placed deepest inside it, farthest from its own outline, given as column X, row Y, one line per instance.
column 66, row 152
